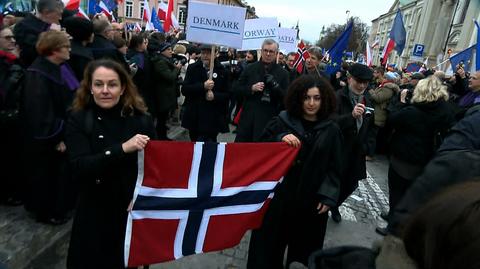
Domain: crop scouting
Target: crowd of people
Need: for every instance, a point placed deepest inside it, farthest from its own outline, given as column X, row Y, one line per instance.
column 79, row 98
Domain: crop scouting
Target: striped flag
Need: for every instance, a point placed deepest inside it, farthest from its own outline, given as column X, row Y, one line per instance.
column 300, row 58
column 397, row 38
column 200, row 197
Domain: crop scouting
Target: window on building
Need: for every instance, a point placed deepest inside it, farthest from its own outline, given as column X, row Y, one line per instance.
column 128, row 9
column 142, row 5
column 182, row 15
column 464, row 11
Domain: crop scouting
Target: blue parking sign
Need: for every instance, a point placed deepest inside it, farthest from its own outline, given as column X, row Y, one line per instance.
column 418, row 50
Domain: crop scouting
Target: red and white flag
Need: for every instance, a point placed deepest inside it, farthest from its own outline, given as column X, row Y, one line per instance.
column 162, row 15
column 147, row 16
column 200, row 197
column 300, row 57
column 368, row 54
column 105, row 10
column 71, row 4
column 82, row 14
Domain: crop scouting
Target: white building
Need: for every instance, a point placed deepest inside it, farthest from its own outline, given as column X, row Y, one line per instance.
column 439, row 25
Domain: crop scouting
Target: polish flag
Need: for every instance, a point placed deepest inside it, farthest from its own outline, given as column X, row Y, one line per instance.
column 162, row 15
column 71, row 4
column 147, row 17
column 368, row 54
column 105, row 10
column 82, row 14
column 168, row 17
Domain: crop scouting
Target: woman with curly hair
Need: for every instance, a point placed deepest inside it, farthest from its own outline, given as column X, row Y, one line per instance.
column 297, row 216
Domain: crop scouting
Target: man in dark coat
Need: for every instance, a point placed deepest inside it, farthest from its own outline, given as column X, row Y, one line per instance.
column 354, row 116
column 206, row 99
column 48, row 15
column 102, row 46
column 263, row 84
column 81, row 31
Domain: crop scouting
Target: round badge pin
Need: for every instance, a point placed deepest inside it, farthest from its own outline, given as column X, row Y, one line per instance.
column 214, row 75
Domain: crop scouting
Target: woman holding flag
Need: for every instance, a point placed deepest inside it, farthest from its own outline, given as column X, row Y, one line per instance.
column 297, row 216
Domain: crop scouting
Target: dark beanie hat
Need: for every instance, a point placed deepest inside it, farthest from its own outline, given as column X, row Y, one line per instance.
column 79, row 28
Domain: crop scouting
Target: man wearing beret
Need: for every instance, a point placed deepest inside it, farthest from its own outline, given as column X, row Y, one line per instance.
column 354, row 116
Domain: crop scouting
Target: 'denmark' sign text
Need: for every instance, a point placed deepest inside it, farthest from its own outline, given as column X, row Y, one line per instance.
column 215, row 24
column 257, row 30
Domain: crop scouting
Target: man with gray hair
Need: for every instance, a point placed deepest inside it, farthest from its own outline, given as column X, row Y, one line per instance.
column 263, row 84
column 47, row 16
column 102, row 45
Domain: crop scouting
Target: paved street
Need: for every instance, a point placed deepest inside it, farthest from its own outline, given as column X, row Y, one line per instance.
column 360, row 212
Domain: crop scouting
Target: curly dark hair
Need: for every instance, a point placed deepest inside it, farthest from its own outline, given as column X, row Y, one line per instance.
column 298, row 89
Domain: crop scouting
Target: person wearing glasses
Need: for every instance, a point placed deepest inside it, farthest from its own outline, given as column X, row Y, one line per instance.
column 354, row 116
column 263, row 84
column 11, row 74
column 48, row 91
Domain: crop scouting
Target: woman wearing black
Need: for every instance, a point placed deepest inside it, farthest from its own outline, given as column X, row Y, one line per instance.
column 297, row 215
column 107, row 127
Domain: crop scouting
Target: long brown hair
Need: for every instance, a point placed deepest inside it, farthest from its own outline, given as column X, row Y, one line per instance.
column 130, row 99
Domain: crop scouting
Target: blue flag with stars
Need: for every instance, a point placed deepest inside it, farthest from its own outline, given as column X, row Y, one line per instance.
column 156, row 22
column 337, row 51
column 463, row 57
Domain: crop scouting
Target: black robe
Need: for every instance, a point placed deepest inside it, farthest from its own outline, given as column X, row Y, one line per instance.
column 292, row 218
column 45, row 99
column 106, row 179
column 202, row 116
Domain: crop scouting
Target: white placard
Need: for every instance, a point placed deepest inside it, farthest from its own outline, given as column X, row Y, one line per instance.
column 257, row 30
column 215, row 24
column 287, row 38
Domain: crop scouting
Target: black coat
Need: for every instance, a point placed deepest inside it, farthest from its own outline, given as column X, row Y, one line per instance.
column 256, row 113
column 164, row 83
column 106, row 179
column 205, row 117
column 26, row 36
column 355, row 140
column 316, row 173
column 142, row 77
column 44, row 103
column 292, row 219
column 80, row 57
column 415, row 127
column 102, row 48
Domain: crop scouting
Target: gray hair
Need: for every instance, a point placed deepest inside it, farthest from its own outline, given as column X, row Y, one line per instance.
column 316, row 51
column 99, row 26
column 49, row 5
column 270, row 41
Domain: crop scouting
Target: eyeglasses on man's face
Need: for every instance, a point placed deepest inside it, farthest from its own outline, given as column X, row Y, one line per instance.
column 267, row 51
column 8, row 37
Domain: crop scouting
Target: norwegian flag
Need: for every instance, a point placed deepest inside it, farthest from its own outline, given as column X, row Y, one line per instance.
column 300, row 57
column 194, row 198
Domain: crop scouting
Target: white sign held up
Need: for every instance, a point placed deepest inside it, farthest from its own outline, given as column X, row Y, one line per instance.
column 215, row 24
column 287, row 39
column 257, row 30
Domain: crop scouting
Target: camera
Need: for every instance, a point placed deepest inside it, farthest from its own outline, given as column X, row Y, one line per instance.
column 369, row 111
column 179, row 59
column 270, row 85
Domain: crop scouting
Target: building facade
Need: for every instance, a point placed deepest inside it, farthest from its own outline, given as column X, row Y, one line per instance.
column 441, row 26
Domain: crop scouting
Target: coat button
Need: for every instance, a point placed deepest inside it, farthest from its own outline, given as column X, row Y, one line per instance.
column 108, row 152
column 99, row 118
column 100, row 136
column 98, row 181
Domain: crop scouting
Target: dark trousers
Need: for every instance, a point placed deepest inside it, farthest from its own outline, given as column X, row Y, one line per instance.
column 397, row 187
column 161, row 128
column 302, row 230
column 372, row 139
column 201, row 137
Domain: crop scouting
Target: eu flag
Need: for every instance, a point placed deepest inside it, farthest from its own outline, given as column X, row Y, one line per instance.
column 156, row 22
column 337, row 50
column 463, row 57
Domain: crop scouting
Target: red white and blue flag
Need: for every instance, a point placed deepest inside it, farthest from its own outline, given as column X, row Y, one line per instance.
column 396, row 39
column 300, row 58
column 200, row 197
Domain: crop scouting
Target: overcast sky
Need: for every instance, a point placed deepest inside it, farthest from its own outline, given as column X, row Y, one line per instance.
column 313, row 14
